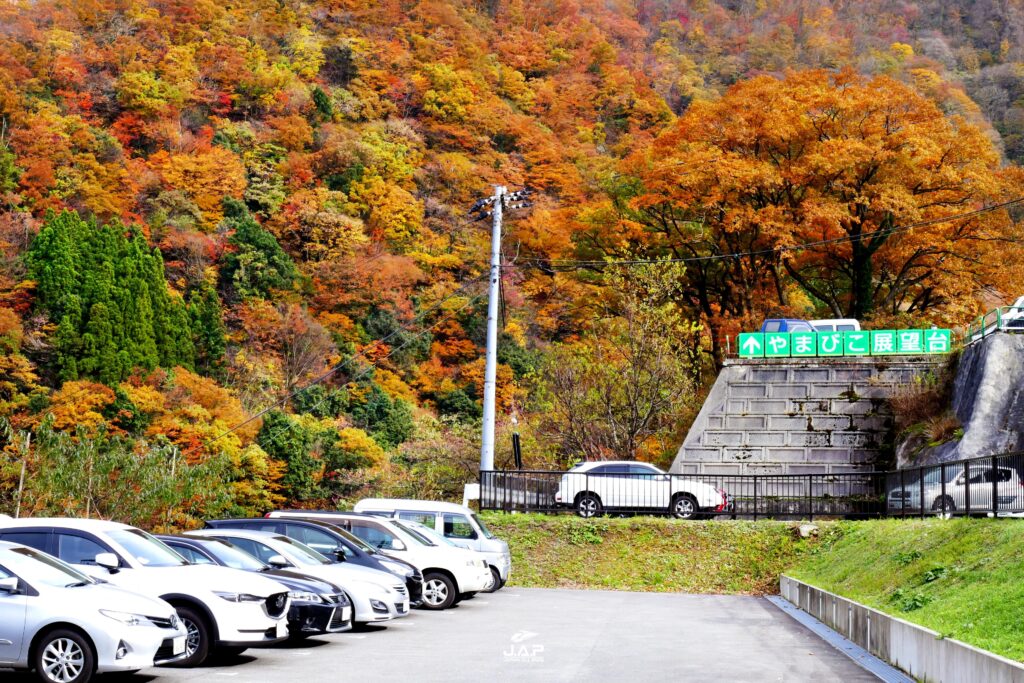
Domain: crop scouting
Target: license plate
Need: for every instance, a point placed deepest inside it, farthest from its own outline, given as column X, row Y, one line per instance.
column 282, row 628
column 346, row 613
column 178, row 646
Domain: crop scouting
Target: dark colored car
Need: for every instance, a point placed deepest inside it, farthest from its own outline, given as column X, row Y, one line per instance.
column 333, row 541
column 786, row 325
column 317, row 606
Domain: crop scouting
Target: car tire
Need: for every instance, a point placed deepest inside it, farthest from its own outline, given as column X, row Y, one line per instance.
column 950, row 505
column 588, row 505
column 496, row 583
column 468, row 596
column 438, row 591
column 64, row 656
column 197, row 639
column 684, row 506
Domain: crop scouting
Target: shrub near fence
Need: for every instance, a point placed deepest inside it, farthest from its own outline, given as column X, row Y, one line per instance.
column 990, row 485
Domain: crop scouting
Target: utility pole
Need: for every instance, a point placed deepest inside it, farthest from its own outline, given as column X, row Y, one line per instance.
column 493, row 207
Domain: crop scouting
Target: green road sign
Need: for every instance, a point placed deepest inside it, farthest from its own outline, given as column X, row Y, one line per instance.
column 938, row 341
column 856, row 343
column 804, row 344
column 776, row 345
column 830, row 343
column 883, row 342
column 910, row 342
column 751, row 345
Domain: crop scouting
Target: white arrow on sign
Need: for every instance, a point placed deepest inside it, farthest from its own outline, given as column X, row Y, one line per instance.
column 751, row 345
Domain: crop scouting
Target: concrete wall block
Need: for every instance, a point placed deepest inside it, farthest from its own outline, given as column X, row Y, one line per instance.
column 801, row 487
column 811, row 374
column 874, row 391
column 874, row 423
column 766, row 438
column 810, row 439
column 830, row 423
column 748, row 390
column 769, row 374
column 855, row 440
column 713, row 438
column 788, row 391
column 716, row 422
column 736, row 406
column 834, row 391
column 846, row 407
column 786, row 455
column 810, row 406
column 789, row 424
column 742, row 454
column 748, row 422
column 769, row 406
column 722, row 468
column 763, row 468
column 702, row 454
column 851, row 374
column 829, row 455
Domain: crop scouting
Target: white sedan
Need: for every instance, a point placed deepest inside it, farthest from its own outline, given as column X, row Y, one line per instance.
column 67, row 627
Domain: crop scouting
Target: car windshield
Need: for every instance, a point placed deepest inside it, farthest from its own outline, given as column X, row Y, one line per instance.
column 39, row 568
column 146, row 550
column 354, row 540
column 483, row 527
column 427, row 531
column 416, row 536
column 230, row 556
column 299, row 553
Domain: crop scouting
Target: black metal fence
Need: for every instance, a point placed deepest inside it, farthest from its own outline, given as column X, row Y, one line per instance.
column 991, row 485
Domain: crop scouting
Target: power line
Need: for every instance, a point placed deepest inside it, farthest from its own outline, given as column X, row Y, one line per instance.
column 571, row 263
column 339, row 366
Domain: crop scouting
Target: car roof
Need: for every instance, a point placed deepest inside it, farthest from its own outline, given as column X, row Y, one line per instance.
column 410, row 504
column 240, row 533
column 589, row 465
column 95, row 525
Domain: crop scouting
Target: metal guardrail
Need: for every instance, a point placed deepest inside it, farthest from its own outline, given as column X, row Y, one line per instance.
column 990, row 485
column 1004, row 318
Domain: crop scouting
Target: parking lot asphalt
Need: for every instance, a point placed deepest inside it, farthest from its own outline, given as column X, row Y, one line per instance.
column 521, row 634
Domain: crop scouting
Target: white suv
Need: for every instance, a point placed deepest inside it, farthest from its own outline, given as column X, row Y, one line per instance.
column 449, row 573
column 221, row 608
column 974, row 486
column 592, row 487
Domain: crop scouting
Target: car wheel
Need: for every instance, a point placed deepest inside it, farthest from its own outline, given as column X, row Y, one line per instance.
column 588, row 505
column 496, row 583
column 438, row 591
column 950, row 505
column 197, row 637
column 64, row 656
column 684, row 506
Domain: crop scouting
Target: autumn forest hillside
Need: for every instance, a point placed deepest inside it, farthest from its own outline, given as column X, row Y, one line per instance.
column 237, row 267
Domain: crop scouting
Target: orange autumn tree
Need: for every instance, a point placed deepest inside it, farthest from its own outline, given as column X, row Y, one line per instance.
column 835, row 159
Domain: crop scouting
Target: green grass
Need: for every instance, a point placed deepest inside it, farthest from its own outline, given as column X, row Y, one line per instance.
column 963, row 578
column 648, row 553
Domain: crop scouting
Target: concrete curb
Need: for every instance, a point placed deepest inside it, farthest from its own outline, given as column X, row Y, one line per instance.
column 921, row 652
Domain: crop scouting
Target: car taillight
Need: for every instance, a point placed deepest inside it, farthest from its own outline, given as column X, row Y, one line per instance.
column 267, row 515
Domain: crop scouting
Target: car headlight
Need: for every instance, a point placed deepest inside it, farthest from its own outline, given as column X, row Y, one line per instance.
column 127, row 618
column 238, row 597
column 305, row 596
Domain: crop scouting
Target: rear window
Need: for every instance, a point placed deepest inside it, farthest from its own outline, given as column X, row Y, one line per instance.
column 771, row 326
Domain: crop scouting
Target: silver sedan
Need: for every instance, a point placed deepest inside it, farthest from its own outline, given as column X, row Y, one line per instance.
column 67, row 627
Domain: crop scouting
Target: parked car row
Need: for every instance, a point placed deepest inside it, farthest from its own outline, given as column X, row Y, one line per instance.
column 80, row 597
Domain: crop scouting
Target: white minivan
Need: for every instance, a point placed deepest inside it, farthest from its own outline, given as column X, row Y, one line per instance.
column 836, row 325
column 456, row 522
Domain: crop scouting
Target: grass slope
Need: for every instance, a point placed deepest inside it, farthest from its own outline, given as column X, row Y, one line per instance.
column 963, row 578
column 648, row 553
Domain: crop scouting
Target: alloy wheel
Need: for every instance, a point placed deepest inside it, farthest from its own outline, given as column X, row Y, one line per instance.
column 683, row 507
column 63, row 660
column 435, row 592
column 192, row 637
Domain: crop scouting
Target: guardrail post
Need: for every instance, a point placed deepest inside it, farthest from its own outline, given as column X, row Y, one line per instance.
column 995, row 487
column 920, row 496
column 942, row 475
column 755, row 496
column 967, row 487
column 903, row 493
column 810, row 497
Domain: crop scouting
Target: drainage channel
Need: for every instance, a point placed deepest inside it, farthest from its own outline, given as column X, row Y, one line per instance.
column 865, row 659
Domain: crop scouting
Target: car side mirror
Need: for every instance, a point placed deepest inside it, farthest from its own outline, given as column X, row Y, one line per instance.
column 339, row 555
column 397, row 545
column 278, row 561
column 9, row 585
column 109, row 562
